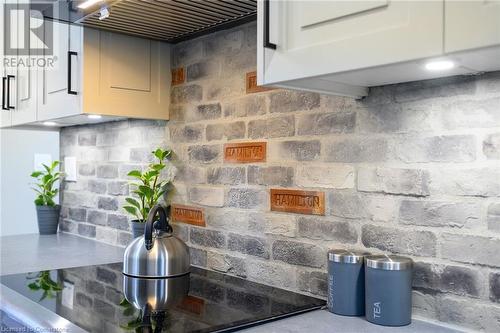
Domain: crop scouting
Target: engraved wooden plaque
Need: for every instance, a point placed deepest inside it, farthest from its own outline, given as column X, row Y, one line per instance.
column 245, row 152
column 192, row 304
column 178, row 76
column 188, row 214
column 297, row 201
column 251, row 84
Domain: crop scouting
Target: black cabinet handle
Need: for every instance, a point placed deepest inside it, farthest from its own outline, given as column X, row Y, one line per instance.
column 70, row 55
column 267, row 44
column 4, row 80
column 8, row 91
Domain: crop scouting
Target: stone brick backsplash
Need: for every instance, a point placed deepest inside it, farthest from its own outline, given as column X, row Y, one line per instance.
column 92, row 206
column 412, row 169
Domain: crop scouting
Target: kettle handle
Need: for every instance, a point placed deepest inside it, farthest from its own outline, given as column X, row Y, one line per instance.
column 164, row 225
column 148, row 231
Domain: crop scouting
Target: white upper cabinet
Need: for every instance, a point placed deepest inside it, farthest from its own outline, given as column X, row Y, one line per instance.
column 343, row 47
column 24, row 90
column 59, row 91
column 5, row 112
column 18, row 81
column 471, row 24
column 472, row 33
column 335, row 35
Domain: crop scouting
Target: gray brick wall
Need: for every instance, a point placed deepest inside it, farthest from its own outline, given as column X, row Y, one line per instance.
column 413, row 169
column 91, row 207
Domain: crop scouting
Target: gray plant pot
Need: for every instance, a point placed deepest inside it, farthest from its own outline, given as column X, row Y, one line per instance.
column 137, row 228
column 48, row 219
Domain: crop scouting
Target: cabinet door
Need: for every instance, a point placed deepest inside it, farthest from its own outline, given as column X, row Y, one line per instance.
column 125, row 76
column 59, row 86
column 5, row 114
column 25, row 105
column 471, row 24
column 315, row 38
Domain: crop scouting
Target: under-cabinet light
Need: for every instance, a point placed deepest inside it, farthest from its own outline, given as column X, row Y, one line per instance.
column 439, row 65
column 49, row 123
column 94, row 116
column 88, row 3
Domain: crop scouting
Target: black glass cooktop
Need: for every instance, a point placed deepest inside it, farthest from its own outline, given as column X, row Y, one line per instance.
column 92, row 298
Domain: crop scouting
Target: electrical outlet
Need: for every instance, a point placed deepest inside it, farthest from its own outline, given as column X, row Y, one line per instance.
column 70, row 169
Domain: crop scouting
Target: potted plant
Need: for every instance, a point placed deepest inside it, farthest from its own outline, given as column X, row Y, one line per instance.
column 148, row 188
column 46, row 209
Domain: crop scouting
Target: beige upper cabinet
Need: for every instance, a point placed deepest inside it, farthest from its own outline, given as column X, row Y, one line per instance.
column 125, row 76
column 343, row 47
column 94, row 73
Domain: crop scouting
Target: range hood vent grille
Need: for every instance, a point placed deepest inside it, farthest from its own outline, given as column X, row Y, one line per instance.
column 172, row 20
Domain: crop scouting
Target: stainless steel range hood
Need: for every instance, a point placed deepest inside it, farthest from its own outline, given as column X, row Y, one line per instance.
column 167, row 20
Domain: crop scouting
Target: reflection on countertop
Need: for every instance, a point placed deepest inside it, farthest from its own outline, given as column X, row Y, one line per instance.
column 92, row 298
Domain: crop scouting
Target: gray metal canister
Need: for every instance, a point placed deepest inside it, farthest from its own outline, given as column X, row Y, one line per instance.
column 346, row 283
column 388, row 290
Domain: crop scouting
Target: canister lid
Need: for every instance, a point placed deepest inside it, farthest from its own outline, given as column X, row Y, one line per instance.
column 389, row 262
column 346, row 256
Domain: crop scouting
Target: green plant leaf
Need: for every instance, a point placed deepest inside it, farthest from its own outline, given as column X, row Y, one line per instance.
column 147, row 191
column 158, row 167
column 130, row 210
column 133, row 202
column 36, row 174
column 45, row 286
column 124, row 302
column 151, row 174
column 34, row 286
column 158, row 153
column 46, row 178
column 51, row 282
column 134, row 173
column 129, row 311
column 138, row 192
column 47, row 168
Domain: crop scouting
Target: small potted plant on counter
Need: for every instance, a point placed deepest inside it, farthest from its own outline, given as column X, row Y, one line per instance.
column 149, row 189
column 46, row 209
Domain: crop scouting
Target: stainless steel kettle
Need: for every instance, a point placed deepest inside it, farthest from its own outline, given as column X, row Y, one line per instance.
column 156, row 266
column 158, row 254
